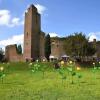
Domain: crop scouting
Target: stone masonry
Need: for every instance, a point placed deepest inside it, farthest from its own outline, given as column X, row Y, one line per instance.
column 34, row 40
column 12, row 55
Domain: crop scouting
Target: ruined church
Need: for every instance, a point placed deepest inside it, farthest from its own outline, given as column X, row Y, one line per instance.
column 34, row 40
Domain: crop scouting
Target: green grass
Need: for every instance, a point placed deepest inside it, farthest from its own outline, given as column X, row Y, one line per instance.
column 21, row 84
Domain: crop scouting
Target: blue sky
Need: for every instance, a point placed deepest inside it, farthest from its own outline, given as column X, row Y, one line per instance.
column 58, row 17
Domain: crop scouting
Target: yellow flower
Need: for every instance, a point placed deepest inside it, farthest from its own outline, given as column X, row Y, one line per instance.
column 44, row 60
column 78, row 68
column 93, row 63
column 1, row 68
column 37, row 60
column 99, row 62
column 30, row 64
column 62, row 62
column 70, row 62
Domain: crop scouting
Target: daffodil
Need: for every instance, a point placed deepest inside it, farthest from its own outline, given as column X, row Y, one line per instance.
column 93, row 63
column 37, row 60
column 44, row 60
column 1, row 68
column 62, row 62
column 70, row 62
column 30, row 64
column 78, row 68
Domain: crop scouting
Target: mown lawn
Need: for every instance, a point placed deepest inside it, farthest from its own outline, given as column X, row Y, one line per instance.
column 20, row 83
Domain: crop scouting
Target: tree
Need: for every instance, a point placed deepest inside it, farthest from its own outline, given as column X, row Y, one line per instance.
column 19, row 49
column 90, row 49
column 1, row 54
column 47, row 46
column 78, row 45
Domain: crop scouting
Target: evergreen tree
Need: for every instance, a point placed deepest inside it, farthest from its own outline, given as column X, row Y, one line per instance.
column 19, row 49
column 1, row 54
column 47, row 46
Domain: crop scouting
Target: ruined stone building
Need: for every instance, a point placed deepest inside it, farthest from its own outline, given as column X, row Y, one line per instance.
column 33, row 37
column 57, row 48
column 11, row 53
column 34, row 40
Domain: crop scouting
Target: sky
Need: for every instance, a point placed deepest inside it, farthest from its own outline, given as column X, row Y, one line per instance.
column 58, row 18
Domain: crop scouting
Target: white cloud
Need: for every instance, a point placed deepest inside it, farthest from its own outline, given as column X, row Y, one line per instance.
column 16, row 22
column 6, row 19
column 40, row 8
column 53, row 34
column 94, row 35
column 16, row 39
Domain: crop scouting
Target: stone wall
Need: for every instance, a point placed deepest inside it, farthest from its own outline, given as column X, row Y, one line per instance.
column 11, row 54
column 57, row 47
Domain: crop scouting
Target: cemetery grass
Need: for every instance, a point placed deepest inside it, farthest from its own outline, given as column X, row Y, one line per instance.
column 20, row 83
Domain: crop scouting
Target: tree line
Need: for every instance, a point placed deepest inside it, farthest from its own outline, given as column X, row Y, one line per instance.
column 78, row 45
column 75, row 45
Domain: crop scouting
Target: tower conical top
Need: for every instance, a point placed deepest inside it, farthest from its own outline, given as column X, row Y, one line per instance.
column 32, row 7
